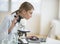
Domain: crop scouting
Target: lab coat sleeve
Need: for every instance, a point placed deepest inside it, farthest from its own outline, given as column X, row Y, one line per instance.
column 4, row 28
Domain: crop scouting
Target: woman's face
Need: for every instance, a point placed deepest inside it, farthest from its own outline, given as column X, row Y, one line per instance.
column 27, row 14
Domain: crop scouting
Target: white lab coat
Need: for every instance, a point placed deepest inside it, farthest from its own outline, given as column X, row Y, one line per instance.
column 5, row 26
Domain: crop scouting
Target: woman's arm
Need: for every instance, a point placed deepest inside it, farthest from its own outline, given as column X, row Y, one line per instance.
column 12, row 25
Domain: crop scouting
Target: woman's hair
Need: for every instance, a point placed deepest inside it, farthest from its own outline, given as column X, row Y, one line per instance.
column 24, row 6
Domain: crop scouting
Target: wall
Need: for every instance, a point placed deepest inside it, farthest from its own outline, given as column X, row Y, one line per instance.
column 49, row 11
column 57, row 23
column 33, row 24
column 59, row 10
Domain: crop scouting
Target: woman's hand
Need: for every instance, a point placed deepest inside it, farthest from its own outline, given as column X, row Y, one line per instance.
column 14, row 21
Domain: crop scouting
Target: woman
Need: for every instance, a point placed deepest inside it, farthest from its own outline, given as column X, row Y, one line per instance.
column 25, row 11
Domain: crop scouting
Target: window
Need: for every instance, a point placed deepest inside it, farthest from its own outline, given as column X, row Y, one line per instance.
column 3, row 5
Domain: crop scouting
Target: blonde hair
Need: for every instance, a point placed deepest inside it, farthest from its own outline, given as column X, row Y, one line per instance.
column 24, row 6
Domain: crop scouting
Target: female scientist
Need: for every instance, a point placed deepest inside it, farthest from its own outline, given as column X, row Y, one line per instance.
column 9, row 22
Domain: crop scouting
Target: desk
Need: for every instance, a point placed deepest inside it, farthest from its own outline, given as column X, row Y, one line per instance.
column 38, row 43
column 37, row 35
column 34, row 42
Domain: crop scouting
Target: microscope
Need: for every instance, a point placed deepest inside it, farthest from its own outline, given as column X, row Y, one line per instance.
column 22, row 33
column 21, row 39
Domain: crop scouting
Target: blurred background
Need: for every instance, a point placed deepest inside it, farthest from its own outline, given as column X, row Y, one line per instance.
column 45, row 12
